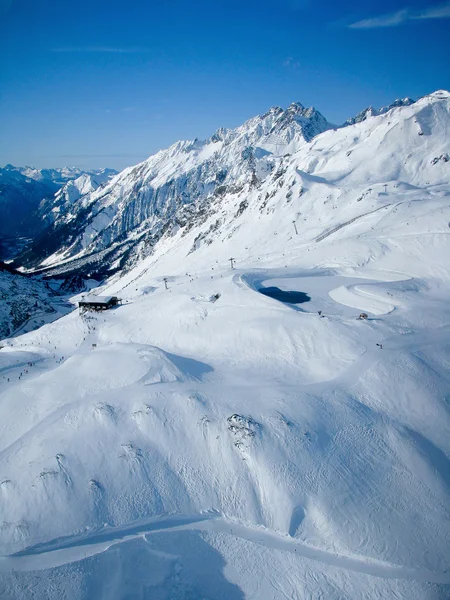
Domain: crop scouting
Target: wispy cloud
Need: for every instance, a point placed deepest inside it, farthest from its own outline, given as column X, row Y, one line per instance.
column 292, row 63
column 437, row 12
column 102, row 49
column 441, row 11
column 390, row 20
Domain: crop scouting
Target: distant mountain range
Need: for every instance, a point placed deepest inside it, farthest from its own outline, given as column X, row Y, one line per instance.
column 22, row 189
column 209, row 437
column 98, row 228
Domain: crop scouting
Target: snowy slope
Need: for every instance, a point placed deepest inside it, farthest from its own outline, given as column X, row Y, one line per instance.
column 370, row 111
column 174, row 184
column 73, row 190
column 216, row 181
column 208, row 441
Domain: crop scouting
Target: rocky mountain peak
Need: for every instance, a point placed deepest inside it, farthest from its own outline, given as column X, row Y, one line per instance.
column 370, row 111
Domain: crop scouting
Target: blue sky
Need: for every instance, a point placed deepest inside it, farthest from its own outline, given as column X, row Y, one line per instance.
column 107, row 83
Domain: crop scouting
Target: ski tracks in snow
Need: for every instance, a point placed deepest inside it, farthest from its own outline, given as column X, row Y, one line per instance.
column 78, row 547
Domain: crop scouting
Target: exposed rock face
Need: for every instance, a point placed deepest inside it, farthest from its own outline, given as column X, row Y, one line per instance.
column 370, row 111
column 30, row 198
column 26, row 302
column 270, row 165
column 169, row 188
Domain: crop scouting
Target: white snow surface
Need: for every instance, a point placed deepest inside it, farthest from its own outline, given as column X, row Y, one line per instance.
column 208, row 441
column 93, row 298
column 84, row 184
column 287, row 165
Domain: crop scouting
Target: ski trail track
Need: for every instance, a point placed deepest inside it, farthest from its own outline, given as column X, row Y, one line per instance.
column 54, row 415
column 396, row 342
column 414, row 341
column 336, row 228
column 78, row 547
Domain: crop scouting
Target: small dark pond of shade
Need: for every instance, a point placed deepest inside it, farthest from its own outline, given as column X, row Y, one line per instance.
column 282, row 296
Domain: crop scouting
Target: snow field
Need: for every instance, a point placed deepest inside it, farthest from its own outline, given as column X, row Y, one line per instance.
column 283, row 453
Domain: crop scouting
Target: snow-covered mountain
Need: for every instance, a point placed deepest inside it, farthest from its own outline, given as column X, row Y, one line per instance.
column 172, row 186
column 206, row 440
column 370, row 111
column 23, row 189
column 84, row 184
column 59, row 176
column 19, row 198
column 278, row 155
column 53, row 208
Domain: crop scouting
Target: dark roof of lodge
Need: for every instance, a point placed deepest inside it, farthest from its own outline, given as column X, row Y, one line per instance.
column 97, row 300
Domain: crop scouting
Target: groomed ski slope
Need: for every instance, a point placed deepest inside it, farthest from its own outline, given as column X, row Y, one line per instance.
column 189, row 446
column 72, row 550
column 336, row 452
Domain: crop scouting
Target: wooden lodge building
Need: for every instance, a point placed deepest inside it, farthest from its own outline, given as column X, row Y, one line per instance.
column 97, row 303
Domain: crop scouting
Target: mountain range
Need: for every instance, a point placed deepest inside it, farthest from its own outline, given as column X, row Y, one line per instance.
column 23, row 189
column 264, row 413
column 192, row 182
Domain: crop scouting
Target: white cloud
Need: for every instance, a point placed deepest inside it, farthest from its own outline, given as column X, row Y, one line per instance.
column 390, row 20
column 441, row 11
column 436, row 12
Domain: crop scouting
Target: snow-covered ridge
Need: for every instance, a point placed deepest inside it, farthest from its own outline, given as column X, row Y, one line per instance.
column 58, row 176
column 28, row 195
column 184, row 175
column 278, row 154
column 205, row 440
column 72, row 191
column 370, row 111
